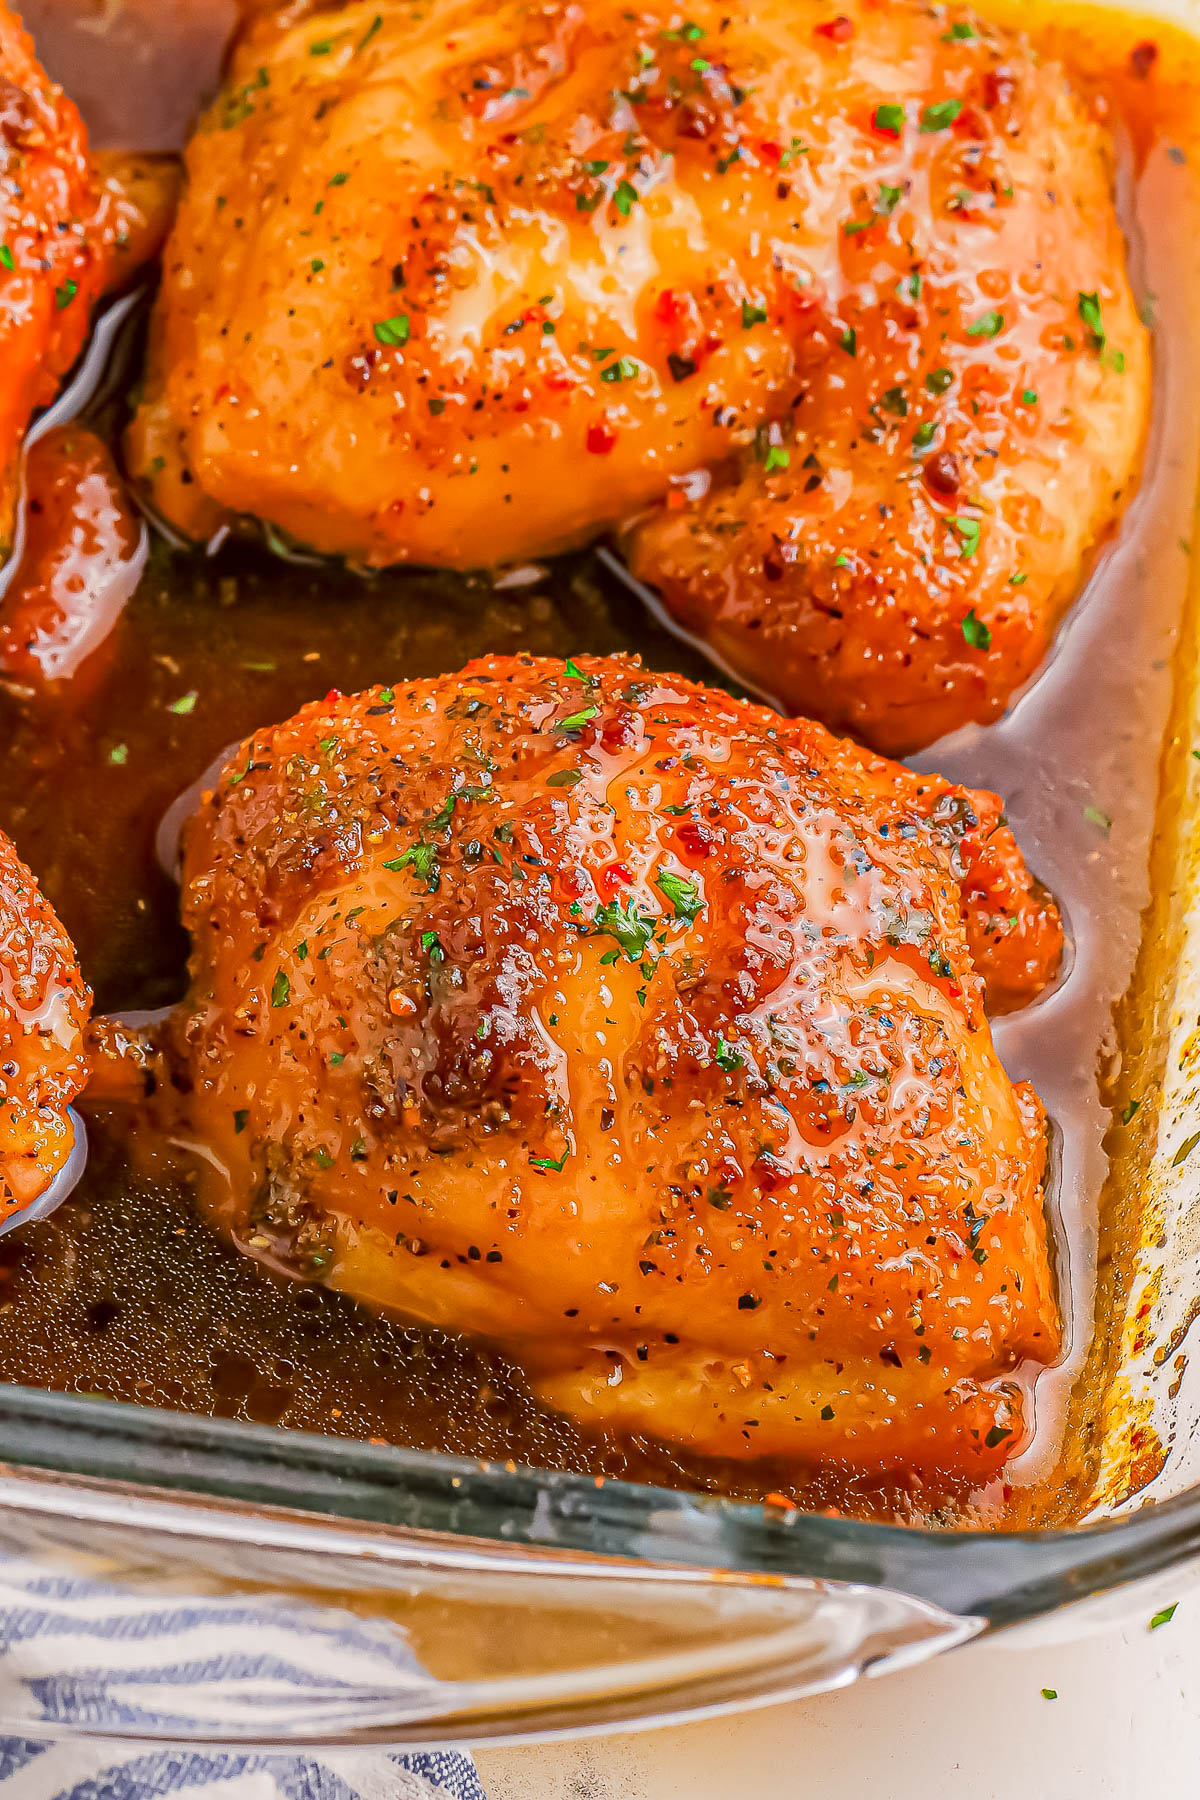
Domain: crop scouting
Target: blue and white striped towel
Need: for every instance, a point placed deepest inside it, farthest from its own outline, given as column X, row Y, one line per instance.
column 79, row 1652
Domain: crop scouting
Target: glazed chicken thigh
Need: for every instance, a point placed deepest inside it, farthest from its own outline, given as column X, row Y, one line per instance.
column 830, row 308
column 624, row 1024
column 58, row 221
column 44, row 1007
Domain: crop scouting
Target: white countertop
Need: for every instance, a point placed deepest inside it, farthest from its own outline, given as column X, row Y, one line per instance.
column 1125, row 1726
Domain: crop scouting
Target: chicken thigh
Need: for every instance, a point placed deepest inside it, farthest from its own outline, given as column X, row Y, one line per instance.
column 58, row 226
column 839, row 297
column 628, row 1026
column 44, row 1007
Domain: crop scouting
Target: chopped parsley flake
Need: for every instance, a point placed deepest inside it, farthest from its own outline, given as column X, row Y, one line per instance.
column 281, row 989
column 185, row 704
column 1164, row 1617
column 684, row 895
column 7, row 260
column 626, row 368
column 987, row 325
column 624, row 196
column 752, row 315
column 976, row 633
column 968, row 532
column 888, row 118
column 940, row 115
column 421, row 857
column 392, row 331
column 1088, row 307
column 634, row 931
column 548, row 1162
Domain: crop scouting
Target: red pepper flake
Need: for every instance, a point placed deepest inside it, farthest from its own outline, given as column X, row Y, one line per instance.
column 1142, row 59
column 942, row 473
column 670, row 306
column 611, row 877
column 838, row 31
column 970, row 124
column 619, row 732
column 333, row 696
column 771, row 1171
column 696, row 839
column 601, row 437
column 999, row 88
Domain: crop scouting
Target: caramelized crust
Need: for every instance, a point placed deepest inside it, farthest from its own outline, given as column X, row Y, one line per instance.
column 44, row 1006
column 465, row 285
column 894, row 549
column 632, row 1027
column 57, row 226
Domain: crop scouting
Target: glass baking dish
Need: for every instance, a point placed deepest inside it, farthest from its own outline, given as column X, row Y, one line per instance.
column 481, row 1601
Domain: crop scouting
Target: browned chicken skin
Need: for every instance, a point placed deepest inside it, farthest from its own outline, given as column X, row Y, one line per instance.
column 44, row 1006
column 598, row 1014
column 840, row 297
column 58, row 222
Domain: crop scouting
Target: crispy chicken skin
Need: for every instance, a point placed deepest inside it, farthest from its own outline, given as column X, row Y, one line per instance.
column 465, row 285
column 58, row 226
column 44, row 1006
column 627, row 1025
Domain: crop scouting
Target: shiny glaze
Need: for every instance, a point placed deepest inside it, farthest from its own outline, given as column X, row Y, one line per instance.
column 44, row 1005
column 71, row 226
column 82, row 556
column 460, row 286
column 57, row 225
column 638, row 1031
column 127, row 1292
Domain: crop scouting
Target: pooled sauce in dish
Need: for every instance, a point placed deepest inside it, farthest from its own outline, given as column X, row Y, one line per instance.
column 125, row 1292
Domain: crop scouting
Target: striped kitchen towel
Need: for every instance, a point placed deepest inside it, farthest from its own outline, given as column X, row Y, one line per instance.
column 79, row 1654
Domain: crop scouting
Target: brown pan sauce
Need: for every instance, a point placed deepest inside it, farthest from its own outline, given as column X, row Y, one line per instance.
column 124, row 1292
